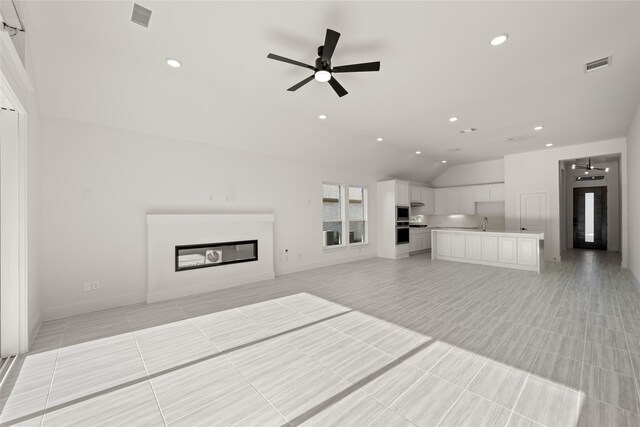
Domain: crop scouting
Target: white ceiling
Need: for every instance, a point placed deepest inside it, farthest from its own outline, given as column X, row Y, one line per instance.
column 92, row 64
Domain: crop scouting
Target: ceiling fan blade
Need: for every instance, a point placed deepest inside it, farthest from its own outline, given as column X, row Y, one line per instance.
column 290, row 61
column 330, row 42
column 338, row 87
column 302, row 83
column 354, row 68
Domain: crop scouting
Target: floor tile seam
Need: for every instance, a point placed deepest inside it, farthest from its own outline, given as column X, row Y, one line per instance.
column 465, row 389
column 424, row 373
column 633, row 367
column 55, row 367
column 535, row 359
column 146, row 370
column 234, row 367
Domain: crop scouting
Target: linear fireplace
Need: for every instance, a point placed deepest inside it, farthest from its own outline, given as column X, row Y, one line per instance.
column 190, row 257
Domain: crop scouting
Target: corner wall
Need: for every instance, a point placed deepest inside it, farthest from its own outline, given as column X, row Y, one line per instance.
column 538, row 171
column 99, row 183
column 633, row 195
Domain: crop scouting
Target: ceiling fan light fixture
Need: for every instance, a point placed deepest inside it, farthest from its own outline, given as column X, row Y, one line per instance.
column 322, row 76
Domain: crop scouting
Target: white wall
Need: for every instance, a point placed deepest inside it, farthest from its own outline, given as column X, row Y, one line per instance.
column 614, row 199
column 29, row 101
column 538, row 171
column 128, row 175
column 633, row 141
column 471, row 173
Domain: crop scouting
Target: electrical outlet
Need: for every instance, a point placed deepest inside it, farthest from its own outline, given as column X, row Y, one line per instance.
column 87, row 286
column 95, row 285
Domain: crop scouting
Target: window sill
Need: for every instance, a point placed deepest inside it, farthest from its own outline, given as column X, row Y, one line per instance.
column 359, row 244
column 333, row 248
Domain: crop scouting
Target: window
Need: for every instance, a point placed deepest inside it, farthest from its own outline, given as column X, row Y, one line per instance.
column 357, row 215
column 343, row 205
column 588, row 218
column 332, row 214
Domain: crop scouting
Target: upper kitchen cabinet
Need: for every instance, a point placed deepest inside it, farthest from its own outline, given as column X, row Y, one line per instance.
column 467, row 201
column 402, row 193
column 453, row 200
column 416, row 194
column 440, row 201
column 489, row 193
column 426, row 195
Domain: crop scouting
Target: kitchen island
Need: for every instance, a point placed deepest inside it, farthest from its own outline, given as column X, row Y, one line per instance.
column 523, row 251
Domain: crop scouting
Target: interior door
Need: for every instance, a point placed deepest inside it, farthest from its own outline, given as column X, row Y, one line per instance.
column 590, row 217
column 533, row 212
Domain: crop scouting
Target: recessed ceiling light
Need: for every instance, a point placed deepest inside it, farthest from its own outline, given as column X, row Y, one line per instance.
column 173, row 63
column 548, row 145
column 444, row 161
column 453, row 119
column 498, row 40
column 322, row 116
column 379, row 139
column 538, row 127
column 606, row 169
column 418, row 152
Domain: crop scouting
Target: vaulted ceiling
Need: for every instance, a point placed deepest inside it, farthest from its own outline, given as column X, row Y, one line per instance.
column 93, row 64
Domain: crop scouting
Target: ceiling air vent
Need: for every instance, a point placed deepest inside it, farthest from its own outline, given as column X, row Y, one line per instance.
column 141, row 15
column 597, row 64
column 468, row 130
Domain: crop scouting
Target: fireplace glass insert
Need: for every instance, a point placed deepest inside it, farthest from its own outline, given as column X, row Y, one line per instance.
column 189, row 257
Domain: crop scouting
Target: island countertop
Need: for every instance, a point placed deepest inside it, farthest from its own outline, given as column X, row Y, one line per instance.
column 523, row 251
column 490, row 233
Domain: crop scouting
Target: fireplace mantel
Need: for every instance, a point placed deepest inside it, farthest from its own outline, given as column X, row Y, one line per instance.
column 165, row 232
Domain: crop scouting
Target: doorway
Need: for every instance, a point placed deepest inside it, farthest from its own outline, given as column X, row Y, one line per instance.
column 590, row 218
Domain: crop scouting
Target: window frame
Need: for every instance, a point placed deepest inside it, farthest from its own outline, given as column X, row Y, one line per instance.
column 344, row 230
column 365, row 202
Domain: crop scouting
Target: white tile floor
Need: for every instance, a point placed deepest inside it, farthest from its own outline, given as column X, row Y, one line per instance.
column 372, row 343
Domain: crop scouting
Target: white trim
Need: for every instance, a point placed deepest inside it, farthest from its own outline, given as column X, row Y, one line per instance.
column 7, row 47
column 13, row 224
column 327, row 263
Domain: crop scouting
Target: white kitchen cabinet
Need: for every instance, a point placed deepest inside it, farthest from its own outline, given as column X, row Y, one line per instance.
column 440, row 201
column 427, row 240
column 453, row 201
column 402, row 193
column 482, row 193
column 458, row 245
column 420, row 239
column 507, row 250
column 416, row 193
column 467, row 201
column 489, row 248
column 443, row 244
column 527, row 251
column 473, row 247
column 426, row 197
column 496, row 193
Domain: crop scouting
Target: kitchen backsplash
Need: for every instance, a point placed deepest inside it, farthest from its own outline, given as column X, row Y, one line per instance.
column 493, row 211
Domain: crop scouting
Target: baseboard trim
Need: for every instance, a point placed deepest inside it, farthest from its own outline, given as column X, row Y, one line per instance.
column 200, row 288
column 63, row 311
column 283, row 271
column 34, row 330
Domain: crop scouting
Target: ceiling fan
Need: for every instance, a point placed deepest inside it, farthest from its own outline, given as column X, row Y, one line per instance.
column 323, row 72
column 588, row 167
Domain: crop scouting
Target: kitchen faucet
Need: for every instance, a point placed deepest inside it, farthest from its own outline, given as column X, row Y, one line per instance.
column 485, row 222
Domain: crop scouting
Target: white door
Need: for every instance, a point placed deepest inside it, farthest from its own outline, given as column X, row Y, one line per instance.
column 533, row 212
